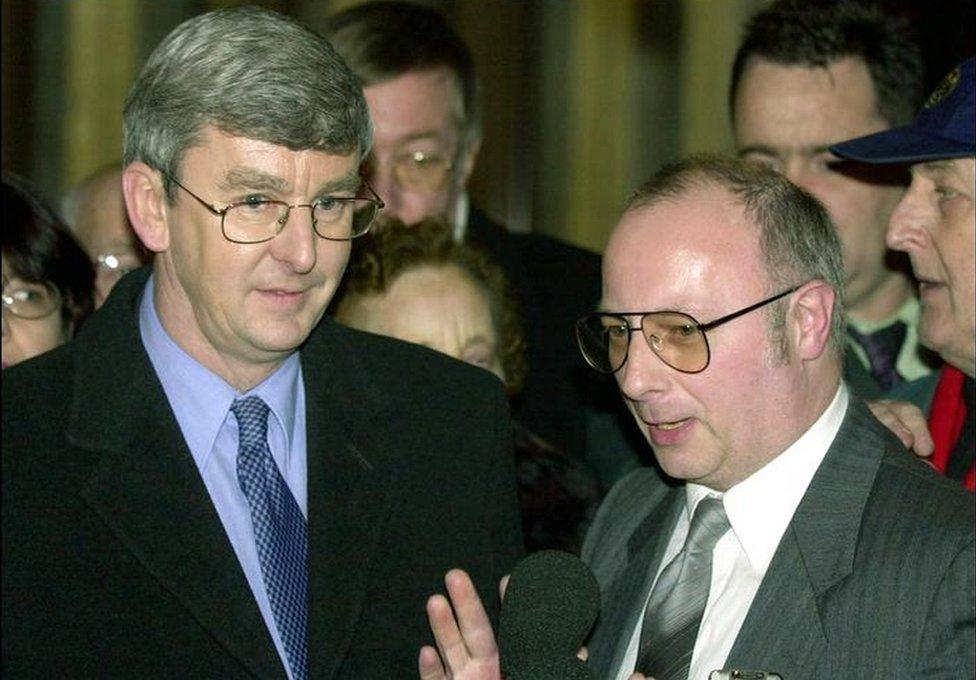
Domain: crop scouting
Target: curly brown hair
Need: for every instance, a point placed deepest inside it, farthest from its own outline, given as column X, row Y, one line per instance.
column 392, row 248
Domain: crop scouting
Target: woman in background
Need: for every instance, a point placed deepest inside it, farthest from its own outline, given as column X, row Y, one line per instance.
column 47, row 278
column 416, row 284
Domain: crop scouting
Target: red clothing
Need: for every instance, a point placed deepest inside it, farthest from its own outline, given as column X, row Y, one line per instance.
column 947, row 417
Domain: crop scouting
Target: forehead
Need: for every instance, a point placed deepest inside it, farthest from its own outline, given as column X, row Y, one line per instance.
column 823, row 103
column 687, row 253
column 242, row 161
column 415, row 103
column 441, row 288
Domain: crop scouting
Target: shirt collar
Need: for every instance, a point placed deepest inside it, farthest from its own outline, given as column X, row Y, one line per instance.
column 461, row 217
column 761, row 506
column 201, row 399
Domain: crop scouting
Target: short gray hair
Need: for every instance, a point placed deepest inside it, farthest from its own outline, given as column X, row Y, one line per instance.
column 797, row 238
column 249, row 72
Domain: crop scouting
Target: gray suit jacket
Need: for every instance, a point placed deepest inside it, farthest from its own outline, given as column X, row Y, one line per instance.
column 874, row 577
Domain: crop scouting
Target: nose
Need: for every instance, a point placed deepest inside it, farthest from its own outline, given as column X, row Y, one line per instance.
column 796, row 171
column 908, row 225
column 295, row 244
column 5, row 329
column 380, row 175
column 643, row 372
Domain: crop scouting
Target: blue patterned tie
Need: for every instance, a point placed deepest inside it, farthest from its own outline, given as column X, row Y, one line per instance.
column 279, row 531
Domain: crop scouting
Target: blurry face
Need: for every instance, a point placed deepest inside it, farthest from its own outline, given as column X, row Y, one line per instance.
column 241, row 309
column 438, row 307
column 103, row 230
column 787, row 117
column 935, row 223
column 697, row 254
column 416, row 118
column 26, row 338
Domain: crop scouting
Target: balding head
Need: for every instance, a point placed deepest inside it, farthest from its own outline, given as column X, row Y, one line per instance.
column 95, row 210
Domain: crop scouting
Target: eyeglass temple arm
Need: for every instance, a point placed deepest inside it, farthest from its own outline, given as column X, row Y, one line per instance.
column 735, row 315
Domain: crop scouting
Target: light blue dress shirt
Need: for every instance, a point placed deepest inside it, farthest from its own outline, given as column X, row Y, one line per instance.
column 201, row 401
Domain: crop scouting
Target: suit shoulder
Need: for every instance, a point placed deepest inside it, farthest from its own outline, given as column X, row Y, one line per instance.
column 910, row 497
column 38, row 387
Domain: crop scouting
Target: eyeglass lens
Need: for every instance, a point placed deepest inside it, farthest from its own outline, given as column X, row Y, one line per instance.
column 30, row 299
column 421, row 171
column 675, row 338
column 337, row 219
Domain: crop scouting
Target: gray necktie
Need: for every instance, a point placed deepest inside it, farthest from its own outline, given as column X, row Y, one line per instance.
column 675, row 608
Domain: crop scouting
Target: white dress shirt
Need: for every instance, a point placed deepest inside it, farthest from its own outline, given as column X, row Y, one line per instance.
column 759, row 509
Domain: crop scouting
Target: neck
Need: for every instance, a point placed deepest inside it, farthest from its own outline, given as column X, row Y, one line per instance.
column 882, row 301
column 179, row 320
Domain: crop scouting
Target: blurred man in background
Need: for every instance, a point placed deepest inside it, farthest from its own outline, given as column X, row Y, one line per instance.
column 95, row 211
column 424, row 99
column 806, row 76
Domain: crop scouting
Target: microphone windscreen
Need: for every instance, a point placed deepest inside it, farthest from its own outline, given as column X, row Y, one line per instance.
column 550, row 605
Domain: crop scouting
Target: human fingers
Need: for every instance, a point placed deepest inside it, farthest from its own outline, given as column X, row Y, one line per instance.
column 429, row 664
column 503, row 586
column 475, row 627
column 907, row 422
column 583, row 654
column 447, row 636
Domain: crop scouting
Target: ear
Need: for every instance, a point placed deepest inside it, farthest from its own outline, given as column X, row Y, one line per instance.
column 145, row 201
column 811, row 315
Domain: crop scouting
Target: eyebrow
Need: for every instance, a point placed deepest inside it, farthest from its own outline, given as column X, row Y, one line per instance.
column 937, row 169
column 250, row 178
column 770, row 151
column 419, row 137
column 479, row 340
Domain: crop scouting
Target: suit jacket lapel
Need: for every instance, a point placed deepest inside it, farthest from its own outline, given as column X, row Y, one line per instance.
column 349, row 461
column 624, row 599
column 147, row 488
column 783, row 631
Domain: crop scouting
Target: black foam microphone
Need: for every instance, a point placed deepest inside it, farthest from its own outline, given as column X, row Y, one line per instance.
column 550, row 605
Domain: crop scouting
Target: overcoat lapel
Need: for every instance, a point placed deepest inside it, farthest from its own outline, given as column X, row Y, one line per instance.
column 349, row 459
column 147, row 489
column 783, row 631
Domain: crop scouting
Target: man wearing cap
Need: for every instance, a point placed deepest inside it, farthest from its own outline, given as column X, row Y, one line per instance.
column 935, row 223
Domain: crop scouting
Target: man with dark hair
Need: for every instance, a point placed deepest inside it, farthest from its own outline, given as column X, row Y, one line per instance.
column 784, row 530
column 935, row 223
column 211, row 480
column 806, row 76
column 424, row 98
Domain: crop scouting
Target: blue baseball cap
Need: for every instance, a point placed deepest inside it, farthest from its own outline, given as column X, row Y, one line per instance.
column 944, row 127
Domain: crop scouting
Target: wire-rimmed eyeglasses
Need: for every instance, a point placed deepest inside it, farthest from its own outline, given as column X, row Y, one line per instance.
column 336, row 218
column 30, row 299
column 678, row 339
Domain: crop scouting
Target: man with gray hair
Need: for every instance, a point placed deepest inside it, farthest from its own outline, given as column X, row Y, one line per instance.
column 212, row 480
column 784, row 529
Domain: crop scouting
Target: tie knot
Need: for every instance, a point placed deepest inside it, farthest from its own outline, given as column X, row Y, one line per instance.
column 708, row 524
column 252, row 419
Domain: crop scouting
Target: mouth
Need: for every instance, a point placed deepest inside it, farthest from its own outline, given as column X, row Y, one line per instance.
column 667, row 433
column 928, row 286
column 283, row 297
